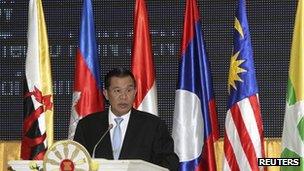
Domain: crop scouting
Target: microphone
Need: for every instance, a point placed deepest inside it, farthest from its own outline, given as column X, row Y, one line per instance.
column 103, row 135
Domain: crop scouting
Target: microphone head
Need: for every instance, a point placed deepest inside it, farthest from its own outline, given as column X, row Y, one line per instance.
column 110, row 126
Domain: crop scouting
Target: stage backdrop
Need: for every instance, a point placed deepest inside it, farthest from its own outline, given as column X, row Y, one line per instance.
column 271, row 24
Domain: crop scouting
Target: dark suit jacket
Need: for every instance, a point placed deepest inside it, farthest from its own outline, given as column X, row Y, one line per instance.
column 146, row 138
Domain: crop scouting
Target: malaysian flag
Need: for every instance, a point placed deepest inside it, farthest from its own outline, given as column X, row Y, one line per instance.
column 244, row 140
column 195, row 127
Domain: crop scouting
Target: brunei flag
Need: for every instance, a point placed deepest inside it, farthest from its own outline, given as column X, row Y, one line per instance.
column 37, row 133
column 293, row 130
column 195, row 127
column 87, row 95
column 142, row 62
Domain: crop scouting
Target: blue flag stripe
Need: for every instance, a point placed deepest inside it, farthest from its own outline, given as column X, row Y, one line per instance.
column 194, row 74
column 190, row 165
column 87, row 40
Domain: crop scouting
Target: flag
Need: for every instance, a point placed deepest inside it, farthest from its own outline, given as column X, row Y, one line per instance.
column 293, row 130
column 87, row 95
column 142, row 62
column 195, row 127
column 243, row 139
column 37, row 133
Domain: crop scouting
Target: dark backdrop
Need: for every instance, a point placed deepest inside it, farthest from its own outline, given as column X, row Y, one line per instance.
column 271, row 25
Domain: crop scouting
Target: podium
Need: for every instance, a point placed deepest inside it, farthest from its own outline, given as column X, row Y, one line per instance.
column 104, row 165
column 69, row 155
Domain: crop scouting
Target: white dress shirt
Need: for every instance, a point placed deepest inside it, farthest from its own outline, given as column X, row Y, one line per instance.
column 123, row 124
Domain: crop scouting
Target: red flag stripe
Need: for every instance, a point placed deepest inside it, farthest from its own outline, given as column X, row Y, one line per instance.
column 254, row 101
column 207, row 162
column 244, row 137
column 31, row 142
column 40, row 155
column 235, row 143
column 28, row 122
column 213, row 118
column 229, row 154
column 250, row 122
column 30, row 145
column 191, row 13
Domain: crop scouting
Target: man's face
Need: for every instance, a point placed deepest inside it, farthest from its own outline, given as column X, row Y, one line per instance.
column 121, row 94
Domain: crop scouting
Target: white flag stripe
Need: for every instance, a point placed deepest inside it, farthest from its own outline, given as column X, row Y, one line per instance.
column 292, row 118
column 225, row 164
column 187, row 132
column 252, row 129
column 42, row 126
column 41, row 122
column 149, row 103
column 32, row 61
column 234, row 139
column 32, row 67
column 32, row 57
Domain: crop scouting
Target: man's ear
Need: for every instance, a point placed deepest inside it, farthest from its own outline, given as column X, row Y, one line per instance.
column 105, row 93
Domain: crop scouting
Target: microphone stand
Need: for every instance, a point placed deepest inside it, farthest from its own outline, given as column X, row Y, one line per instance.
column 103, row 135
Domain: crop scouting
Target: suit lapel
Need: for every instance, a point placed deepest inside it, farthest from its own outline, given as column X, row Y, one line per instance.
column 105, row 148
column 129, row 136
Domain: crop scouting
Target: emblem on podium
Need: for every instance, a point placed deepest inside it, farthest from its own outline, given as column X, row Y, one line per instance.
column 67, row 155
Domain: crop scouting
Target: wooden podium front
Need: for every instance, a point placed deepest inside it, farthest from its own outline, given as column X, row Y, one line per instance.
column 103, row 165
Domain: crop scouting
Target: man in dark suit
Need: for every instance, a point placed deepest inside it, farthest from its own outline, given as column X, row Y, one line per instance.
column 135, row 134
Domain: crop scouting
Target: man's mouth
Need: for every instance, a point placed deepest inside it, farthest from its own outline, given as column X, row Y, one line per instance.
column 123, row 105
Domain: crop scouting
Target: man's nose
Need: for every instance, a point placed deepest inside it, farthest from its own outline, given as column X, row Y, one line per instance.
column 123, row 95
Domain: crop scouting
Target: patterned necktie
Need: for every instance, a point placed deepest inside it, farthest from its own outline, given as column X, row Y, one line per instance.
column 117, row 138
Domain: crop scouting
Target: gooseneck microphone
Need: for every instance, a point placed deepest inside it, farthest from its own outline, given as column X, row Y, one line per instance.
column 103, row 135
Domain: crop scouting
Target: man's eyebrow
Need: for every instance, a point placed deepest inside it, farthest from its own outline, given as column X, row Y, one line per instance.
column 128, row 86
column 115, row 87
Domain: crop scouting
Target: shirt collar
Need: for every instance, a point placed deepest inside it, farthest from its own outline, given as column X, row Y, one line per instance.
column 112, row 116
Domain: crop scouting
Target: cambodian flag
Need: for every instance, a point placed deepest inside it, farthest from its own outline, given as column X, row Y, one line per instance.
column 195, row 125
column 87, row 95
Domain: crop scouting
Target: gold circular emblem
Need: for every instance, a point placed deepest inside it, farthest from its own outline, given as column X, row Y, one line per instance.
column 66, row 155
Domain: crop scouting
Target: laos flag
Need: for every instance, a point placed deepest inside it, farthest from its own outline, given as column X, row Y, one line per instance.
column 195, row 127
column 87, row 95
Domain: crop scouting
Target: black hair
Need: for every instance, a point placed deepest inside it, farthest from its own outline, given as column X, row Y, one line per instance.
column 117, row 72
